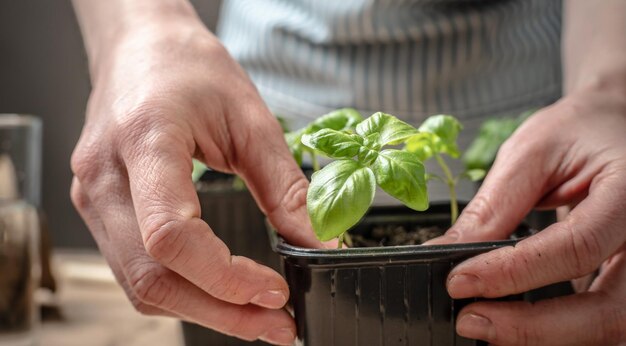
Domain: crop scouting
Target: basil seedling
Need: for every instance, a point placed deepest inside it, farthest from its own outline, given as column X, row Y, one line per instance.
column 437, row 135
column 341, row 193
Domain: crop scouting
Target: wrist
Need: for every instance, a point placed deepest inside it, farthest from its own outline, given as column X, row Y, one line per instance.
column 136, row 24
column 596, row 93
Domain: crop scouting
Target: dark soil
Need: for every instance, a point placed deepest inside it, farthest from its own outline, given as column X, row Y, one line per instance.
column 394, row 235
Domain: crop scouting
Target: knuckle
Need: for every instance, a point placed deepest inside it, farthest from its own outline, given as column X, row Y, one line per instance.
column 77, row 195
column 135, row 124
column 149, row 131
column 296, row 195
column 152, row 286
column 509, row 270
column 584, row 249
column 218, row 285
column 294, row 198
column 138, row 305
column 239, row 325
column 228, row 287
column 144, row 308
column 526, row 336
column 480, row 211
column 85, row 162
column 164, row 241
column 521, row 333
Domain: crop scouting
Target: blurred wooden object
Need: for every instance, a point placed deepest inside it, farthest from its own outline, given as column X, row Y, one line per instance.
column 45, row 253
column 95, row 310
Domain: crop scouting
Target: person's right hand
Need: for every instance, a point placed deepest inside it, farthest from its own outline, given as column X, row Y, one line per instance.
column 162, row 95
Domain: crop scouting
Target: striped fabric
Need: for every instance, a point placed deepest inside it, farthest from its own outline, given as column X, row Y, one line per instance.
column 410, row 58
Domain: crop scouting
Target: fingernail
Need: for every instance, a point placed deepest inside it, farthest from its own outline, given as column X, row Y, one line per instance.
column 271, row 299
column 279, row 336
column 465, row 286
column 474, row 326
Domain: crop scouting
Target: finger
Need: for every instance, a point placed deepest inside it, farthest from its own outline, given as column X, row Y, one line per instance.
column 90, row 215
column 167, row 210
column 158, row 286
column 565, row 250
column 612, row 276
column 274, row 178
column 582, row 319
column 153, row 286
column 519, row 177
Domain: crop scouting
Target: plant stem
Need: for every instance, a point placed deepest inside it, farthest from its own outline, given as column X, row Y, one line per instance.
column 315, row 162
column 454, row 206
column 340, row 243
column 347, row 239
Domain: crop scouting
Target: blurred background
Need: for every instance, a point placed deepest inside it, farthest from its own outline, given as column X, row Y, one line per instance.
column 43, row 71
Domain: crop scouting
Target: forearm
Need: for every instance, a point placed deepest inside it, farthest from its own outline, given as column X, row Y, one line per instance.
column 594, row 46
column 105, row 23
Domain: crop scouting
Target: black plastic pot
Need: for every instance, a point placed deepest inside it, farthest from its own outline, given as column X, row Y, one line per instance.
column 380, row 295
column 238, row 222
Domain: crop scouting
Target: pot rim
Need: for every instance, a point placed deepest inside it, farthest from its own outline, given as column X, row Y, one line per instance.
column 280, row 246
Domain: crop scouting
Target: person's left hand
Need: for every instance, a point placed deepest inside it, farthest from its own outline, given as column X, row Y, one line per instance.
column 570, row 154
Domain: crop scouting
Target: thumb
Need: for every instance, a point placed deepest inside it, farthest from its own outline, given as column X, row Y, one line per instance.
column 519, row 178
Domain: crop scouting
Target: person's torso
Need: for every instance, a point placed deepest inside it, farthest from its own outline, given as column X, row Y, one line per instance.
column 410, row 58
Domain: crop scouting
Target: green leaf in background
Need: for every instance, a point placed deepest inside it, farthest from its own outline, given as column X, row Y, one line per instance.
column 447, row 128
column 422, row 145
column 339, row 196
column 475, row 174
column 491, row 135
column 401, row 175
column 198, row 170
column 284, row 124
column 390, row 129
column 341, row 119
column 293, row 140
column 335, row 144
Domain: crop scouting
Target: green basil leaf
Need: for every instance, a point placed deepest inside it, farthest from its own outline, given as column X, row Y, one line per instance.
column 335, row 144
column 339, row 196
column 492, row 133
column 423, row 145
column 402, row 175
column 447, row 128
column 341, row 119
column 391, row 130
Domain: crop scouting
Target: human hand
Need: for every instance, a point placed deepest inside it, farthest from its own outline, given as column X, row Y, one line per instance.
column 162, row 95
column 572, row 153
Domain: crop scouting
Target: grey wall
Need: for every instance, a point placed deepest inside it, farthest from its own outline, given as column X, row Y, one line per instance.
column 43, row 71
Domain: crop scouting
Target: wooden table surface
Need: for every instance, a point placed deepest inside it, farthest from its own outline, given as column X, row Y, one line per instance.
column 95, row 311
